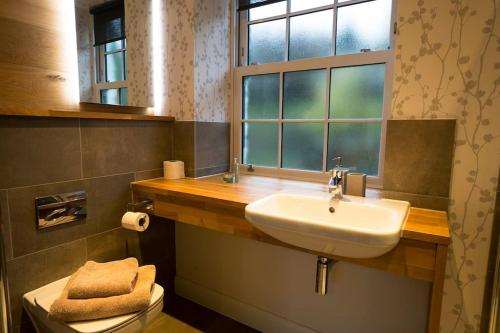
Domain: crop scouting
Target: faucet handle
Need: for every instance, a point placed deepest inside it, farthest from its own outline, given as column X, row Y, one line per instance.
column 338, row 159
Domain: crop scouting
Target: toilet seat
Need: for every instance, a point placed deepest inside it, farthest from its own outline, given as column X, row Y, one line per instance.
column 37, row 303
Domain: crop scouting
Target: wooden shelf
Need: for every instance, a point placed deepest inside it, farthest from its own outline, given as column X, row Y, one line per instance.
column 90, row 111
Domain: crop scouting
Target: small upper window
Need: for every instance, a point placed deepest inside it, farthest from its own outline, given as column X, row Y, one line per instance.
column 110, row 46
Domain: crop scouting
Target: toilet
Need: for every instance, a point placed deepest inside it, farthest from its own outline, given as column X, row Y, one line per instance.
column 37, row 304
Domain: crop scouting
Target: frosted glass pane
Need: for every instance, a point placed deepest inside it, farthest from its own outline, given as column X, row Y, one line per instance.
column 273, row 9
column 114, row 67
column 110, row 96
column 303, row 146
column 113, row 45
column 261, row 96
column 363, row 26
column 260, row 144
column 304, row 94
column 123, row 96
column 357, row 143
column 266, row 42
column 311, row 35
column 357, row 92
column 297, row 5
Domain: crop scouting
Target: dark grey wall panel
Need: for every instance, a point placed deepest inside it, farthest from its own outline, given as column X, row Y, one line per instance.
column 38, row 151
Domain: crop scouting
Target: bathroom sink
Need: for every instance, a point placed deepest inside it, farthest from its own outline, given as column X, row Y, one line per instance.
column 358, row 228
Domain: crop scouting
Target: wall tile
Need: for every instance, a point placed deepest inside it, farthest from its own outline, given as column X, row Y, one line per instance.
column 108, row 198
column 115, row 244
column 418, row 156
column 114, row 146
column 35, row 270
column 5, row 224
column 419, row 200
column 106, row 202
column 38, row 150
column 212, row 148
column 184, row 141
column 148, row 174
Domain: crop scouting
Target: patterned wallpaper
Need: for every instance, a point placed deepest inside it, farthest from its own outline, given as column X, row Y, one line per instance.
column 447, row 66
column 212, row 66
column 139, row 57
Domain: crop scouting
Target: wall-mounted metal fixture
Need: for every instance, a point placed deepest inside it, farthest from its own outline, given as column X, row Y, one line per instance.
column 323, row 266
column 145, row 205
column 58, row 209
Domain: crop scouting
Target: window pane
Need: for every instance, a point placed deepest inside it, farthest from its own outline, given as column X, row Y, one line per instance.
column 303, row 146
column 273, row 9
column 114, row 67
column 364, row 26
column 110, row 96
column 304, row 94
column 266, row 42
column 297, row 5
column 125, row 64
column 357, row 92
column 123, row 96
column 261, row 96
column 113, row 45
column 260, row 144
column 357, row 143
column 311, row 35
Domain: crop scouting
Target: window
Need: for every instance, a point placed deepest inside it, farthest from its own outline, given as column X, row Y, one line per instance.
column 111, row 72
column 110, row 49
column 313, row 82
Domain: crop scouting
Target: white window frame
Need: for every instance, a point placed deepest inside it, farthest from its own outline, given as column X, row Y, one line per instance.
column 100, row 82
column 240, row 71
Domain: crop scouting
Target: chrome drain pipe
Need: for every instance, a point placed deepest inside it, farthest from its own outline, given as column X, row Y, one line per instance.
column 323, row 266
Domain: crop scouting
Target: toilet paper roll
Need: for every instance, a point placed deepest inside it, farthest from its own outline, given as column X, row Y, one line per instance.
column 135, row 221
column 173, row 169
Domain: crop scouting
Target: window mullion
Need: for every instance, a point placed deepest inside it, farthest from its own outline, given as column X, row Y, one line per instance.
column 325, row 121
column 334, row 28
column 280, row 120
column 287, row 31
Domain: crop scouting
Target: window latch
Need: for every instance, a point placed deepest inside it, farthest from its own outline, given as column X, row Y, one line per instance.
column 365, row 50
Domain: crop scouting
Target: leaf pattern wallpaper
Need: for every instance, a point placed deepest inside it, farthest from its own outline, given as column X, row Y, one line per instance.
column 196, row 54
column 448, row 66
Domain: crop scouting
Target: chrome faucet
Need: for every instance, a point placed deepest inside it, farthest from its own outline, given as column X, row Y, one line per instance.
column 336, row 182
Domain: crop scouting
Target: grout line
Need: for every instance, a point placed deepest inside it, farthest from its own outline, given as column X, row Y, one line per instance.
column 66, row 243
column 72, row 180
column 81, row 147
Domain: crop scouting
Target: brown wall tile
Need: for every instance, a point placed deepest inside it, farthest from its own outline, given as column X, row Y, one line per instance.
column 120, row 146
column 38, row 150
column 418, row 156
column 212, row 148
column 115, row 244
column 106, row 202
column 35, row 270
column 5, row 224
column 149, row 174
column 184, row 149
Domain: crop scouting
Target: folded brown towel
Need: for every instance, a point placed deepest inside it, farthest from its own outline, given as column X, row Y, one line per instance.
column 112, row 278
column 65, row 309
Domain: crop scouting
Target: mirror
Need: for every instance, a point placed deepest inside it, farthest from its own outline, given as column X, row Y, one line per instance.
column 102, row 52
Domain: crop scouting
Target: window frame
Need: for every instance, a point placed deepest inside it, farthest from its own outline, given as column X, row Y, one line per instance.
column 240, row 37
column 100, row 82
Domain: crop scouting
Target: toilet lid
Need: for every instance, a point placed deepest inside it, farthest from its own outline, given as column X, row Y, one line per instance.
column 46, row 295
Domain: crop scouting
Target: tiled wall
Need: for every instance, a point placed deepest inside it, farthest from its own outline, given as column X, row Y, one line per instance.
column 420, row 174
column 203, row 146
column 42, row 156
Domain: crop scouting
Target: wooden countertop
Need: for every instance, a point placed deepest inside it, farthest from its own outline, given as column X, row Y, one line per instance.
column 422, row 224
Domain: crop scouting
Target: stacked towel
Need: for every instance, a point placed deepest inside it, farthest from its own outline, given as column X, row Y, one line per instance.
column 104, row 279
column 69, row 309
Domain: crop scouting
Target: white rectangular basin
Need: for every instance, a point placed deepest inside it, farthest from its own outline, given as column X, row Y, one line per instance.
column 359, row 227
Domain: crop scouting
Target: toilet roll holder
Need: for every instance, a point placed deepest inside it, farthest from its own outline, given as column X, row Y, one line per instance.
column 145, row 205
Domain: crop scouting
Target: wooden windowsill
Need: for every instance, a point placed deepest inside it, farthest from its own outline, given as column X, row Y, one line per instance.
column 90, row 111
